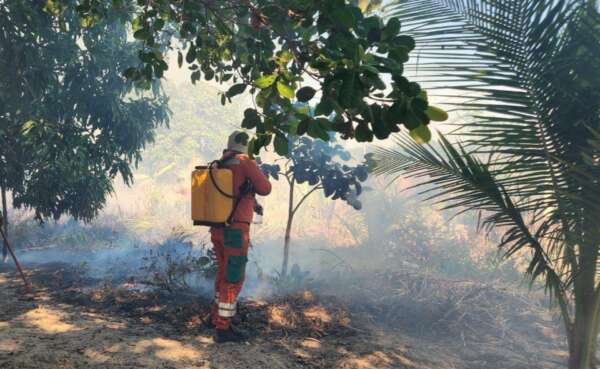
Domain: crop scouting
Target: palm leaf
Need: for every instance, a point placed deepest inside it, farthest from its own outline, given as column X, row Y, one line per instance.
column 527, row 72
column 510, row 58
column 459, row 180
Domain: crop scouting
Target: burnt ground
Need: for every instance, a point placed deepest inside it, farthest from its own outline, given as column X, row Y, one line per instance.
column 382, row 320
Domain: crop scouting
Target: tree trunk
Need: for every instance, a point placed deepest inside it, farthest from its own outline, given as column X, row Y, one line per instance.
column 583, row 338
column 584, row 335
column 5, row 223
column 288, row 231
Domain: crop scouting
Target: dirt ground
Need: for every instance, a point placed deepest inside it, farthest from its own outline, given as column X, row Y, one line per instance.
column 68, row 324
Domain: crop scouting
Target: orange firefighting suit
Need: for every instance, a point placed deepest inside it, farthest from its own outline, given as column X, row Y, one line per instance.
column 231, row 243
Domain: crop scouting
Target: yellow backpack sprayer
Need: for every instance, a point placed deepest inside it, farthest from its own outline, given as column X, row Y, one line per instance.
column 213, row 196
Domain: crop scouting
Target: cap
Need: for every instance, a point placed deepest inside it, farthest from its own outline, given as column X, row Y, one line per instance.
column 238, row 141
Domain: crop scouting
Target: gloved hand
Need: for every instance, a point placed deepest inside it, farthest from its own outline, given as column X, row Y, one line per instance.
column 246, row 187
column 258, row 208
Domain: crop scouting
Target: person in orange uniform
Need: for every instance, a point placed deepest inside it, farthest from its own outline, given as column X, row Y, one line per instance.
column 231, row 243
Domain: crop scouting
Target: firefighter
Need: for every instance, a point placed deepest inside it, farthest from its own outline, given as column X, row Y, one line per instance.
column 231, row 243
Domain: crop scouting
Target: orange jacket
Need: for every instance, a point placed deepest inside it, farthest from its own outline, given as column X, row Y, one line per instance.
column 244, row 168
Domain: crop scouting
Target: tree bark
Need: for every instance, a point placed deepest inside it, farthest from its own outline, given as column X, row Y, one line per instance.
column 5, row 223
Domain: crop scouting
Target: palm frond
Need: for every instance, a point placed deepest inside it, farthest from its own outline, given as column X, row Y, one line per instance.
column 528, row 73
column 510, row 60
column 458, row 179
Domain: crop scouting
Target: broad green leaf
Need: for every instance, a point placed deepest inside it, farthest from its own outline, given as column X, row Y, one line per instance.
column 281, row 145
column 265, row 81
column 251, row 119
column 421, row 134
column 136, row 24
column 325, row 107
column 392, row 28
column 406, row 41
column 436, row 114
column 236, row 89
column 315, row 130
column 345, row 16
column 303, row 126
column 27, row 127
column 285, row 90
column 362, row 133
column 87, row 21
column 305, row 93
column 142, row 34
column 285, row 57
column 190, row 56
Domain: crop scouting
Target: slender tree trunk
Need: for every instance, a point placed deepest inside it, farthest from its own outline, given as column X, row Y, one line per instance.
column 584, row 335
column 5, row 217
column 288, row 230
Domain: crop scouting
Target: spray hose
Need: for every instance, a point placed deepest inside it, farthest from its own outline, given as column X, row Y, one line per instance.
column 245, row 188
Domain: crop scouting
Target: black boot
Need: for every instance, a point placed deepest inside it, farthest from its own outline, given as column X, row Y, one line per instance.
column 230, row 335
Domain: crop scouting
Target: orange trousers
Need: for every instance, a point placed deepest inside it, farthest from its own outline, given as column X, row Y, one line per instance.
column 231, row 248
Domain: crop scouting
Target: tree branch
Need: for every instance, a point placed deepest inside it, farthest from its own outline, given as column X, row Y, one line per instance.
column 317, row 187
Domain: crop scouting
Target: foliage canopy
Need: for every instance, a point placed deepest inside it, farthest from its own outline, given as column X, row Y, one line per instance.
column 69, row 121
column 320, row 165
column 282, row 52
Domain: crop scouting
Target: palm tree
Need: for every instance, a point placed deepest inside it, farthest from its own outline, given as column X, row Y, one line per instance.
column 527, row 72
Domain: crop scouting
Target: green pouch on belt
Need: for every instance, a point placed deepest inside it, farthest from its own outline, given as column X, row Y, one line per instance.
column 236, row 266
column 233, row 238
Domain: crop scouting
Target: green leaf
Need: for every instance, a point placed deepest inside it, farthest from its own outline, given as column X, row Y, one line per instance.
column 285, row 90
column 324, row 124
column 191, row 54
column 253, row 148
column 303, row 126
column 251, row 119
column 305, row 94
column 195, row 76
column 87, row 21
column 348, row 91
column 236, row 89
column 392, row 28
column 344, row 16
column 421, row 134
column 406, row 41
column 142, row 34
column 315, row 130
column 27, row 127
column 281, row 145
column 130, row 72
column 179, row 59
column 325, row 107
column 136, row 24
column 159, row 24
column 265, row 81
column 285, row 57
column 362, row 133
column 436, row 114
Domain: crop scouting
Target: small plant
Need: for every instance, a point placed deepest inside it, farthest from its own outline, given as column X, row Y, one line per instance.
column 295, row 280
column 177, row 265
column 317, row 164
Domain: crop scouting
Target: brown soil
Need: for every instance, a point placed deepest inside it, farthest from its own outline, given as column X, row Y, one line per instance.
column 76, row 323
